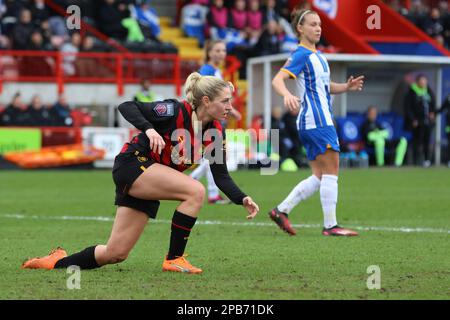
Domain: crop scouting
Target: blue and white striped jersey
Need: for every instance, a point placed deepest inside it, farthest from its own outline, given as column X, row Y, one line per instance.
column 312, row 74
column 209, row 70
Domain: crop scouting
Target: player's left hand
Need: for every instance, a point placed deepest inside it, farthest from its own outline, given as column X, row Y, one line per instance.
column 251, row 207
column 355, row 84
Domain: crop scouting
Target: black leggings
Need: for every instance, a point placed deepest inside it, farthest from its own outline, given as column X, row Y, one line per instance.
column 421, row 143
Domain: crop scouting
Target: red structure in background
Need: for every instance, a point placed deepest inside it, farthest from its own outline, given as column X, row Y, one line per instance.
column 349, row 29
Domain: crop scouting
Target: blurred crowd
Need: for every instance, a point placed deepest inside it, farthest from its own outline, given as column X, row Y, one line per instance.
column 251, row 28
column 33, row 25
column 432, row 17
column 36, row 113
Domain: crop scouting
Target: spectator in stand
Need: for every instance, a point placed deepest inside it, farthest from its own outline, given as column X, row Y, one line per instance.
column 147, row 18
column 433, row 24
column 270, row 11
column 16, row 113
column 255, row 22
column 6, row 116
column 57, row 28
column 398, row 7
column 11, row 14
column 282, row 8
column 36, row 65
column 39, row 113
column 110, row 20
column 200, row 2
column 238, row 21
column 420, row 109
column 135, row 39
column 39, row 12
column 46, row 32
column 37, row 42
column 22, row 30
column 14, row 7
column 70, row 49
column 217, row 18
column 146, row 94
column 238, row 16
column 445, row 16
column 444, row 7
column 61, row 112
column 88, row 66
column 4, row 41
column 440, row 39
column 417, row 14
column 270, row 40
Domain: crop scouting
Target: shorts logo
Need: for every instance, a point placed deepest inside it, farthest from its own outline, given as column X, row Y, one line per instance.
column 164, row 109
column 142, row 159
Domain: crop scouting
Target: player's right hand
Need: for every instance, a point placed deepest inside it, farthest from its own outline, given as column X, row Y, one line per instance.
column 157, row 143
column 251, row 207
column 292, row 103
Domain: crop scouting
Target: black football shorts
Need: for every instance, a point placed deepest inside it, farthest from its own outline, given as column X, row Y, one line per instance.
column 127, row 168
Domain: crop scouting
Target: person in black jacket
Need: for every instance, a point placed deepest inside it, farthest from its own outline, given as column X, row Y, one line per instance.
column 110, row 19
column 22, row 30
column 420, row 106
column 40, row 114
column 148, row 169
column 16, row 113
column 269, row 42
column 446, row 107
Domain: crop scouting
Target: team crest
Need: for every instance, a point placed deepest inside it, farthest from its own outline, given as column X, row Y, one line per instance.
column 164, row 109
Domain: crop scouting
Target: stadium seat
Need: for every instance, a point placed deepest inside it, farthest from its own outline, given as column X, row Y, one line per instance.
column 348, row 127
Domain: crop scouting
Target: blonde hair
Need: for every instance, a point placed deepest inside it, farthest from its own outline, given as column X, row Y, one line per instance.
column 197, row 86
column 298, row 17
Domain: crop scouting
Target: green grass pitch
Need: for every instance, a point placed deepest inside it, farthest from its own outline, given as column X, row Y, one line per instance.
column 40, row 210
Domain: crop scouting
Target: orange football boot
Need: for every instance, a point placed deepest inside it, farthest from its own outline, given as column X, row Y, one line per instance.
column 47, row 262
column 180, row 264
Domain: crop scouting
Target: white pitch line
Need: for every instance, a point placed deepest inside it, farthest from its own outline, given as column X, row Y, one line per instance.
column 226, row 223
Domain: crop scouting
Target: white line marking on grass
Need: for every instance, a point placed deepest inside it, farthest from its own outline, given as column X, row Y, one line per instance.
column 227, row 223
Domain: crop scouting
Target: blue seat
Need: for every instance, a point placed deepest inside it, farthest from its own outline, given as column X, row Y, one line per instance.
column 394, row 124
column 348, row 128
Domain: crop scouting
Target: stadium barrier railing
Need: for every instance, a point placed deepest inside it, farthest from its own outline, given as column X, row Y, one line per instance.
column 89, row 67
column 119, row 68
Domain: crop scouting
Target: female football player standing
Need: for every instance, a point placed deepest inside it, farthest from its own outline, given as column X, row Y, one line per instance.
column 310, row 69
column 149, row 167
